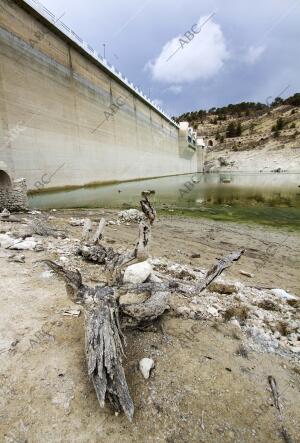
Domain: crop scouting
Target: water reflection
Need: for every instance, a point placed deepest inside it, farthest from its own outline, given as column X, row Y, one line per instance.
column 258, row 197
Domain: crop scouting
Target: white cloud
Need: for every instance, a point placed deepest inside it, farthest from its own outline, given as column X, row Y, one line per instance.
column 254, row 54
column 174, row 89
column 200, row 58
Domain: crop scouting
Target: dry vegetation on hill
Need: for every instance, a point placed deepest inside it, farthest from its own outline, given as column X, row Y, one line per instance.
column 251, row 136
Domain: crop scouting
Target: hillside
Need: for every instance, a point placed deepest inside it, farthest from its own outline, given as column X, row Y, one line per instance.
column 250, row 136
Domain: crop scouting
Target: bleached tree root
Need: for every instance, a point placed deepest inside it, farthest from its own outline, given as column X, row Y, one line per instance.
column 150, row 310
column 104, row 341
column 218, row 268
column 104, row 351
column 116, row 264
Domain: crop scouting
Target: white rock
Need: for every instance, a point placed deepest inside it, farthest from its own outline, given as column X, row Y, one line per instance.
column 212, row 311
column 259, row 314
column 6, row 241
column 183, row 310
column 145, row 365
column 236, row 323
column 296, row 349
column 76, row 221
column 47, row 274
column 154, row 278
column 293, row 338
column 283, row 294
column 5, row 345
column 63, row 259
column 5, row 213
column 28, row 244
column 137, row 273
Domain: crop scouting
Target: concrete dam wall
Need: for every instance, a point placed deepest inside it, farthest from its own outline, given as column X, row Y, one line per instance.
column 67, row 120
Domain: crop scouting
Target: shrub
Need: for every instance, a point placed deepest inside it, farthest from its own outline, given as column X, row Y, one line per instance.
column 276, row 133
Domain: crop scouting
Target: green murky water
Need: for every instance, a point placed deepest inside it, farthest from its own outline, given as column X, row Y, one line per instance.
column 272, row 199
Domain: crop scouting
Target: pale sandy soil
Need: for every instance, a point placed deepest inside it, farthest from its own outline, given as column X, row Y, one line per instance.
column 45, row 394
column 264, row 159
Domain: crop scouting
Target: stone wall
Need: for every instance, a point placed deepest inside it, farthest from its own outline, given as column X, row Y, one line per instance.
column 14, row 197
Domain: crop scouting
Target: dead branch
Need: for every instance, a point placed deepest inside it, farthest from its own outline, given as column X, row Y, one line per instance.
column 104, row 350
column 116, row 264
column 150, row 310
column 218, row 268
column 91, row 249
column 42, row 228
column 99, row 232
column 87, row 231
column 76, row 290
column 95, row 254
column 104, row 340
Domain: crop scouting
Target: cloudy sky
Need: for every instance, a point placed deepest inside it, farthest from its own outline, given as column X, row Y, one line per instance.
column 191, row 54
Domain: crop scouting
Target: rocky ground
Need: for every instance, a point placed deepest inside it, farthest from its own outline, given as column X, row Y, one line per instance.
column 272, row 157
column 213, row 352
column 258, row 148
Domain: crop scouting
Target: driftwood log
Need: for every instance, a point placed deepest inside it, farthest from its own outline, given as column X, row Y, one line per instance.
column 218, row 268
column 103, row 339
column 106, row 317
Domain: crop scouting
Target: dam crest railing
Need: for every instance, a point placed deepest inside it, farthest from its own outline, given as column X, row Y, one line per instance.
column 41, row 9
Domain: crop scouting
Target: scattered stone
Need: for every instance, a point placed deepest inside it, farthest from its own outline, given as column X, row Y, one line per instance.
column 6, row 241
column 212, row 311
column 235, row 322
column 145, row 365
column 131, row 215
column 195, row 256
column 39, row 248
column 154, row 278
column 16, row 258
column 283, row 294
column 25, row 245
column 5, row 214
column 247, row 274
column 266, row 341
column 181, row 272
column 47, row 274
column 296, row 349
column 239, row 311
column 76, row 221
column 72, row 312
column 137, row 273
column 222, row 288
column 184, row 311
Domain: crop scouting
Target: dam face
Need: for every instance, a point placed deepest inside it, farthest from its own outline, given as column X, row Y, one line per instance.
column 67, row 120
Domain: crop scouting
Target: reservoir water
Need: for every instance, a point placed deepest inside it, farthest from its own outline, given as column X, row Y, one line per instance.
column 269, row 198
